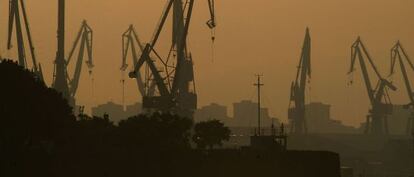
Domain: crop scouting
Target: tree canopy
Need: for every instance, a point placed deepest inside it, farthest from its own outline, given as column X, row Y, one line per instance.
column 29, row 109
column 34, row 121
column 210, row 133
column 158, row 130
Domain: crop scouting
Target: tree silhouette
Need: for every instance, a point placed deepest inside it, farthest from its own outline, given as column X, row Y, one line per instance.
column 157, row 130
column 95, row 133
column 39, row 136
column 157, row 145
column 210, row 134
column 34, row 119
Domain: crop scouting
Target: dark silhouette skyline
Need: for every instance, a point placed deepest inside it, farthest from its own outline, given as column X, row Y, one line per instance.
column 278, row 36
column 39, row 136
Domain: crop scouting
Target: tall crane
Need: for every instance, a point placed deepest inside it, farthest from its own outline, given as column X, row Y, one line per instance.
column 130, row 41
column 296, row 113
column 82, row 42
column 376, row 120
column 175, row 84
column 16, row 9
column 64, row 84
column 398, row 54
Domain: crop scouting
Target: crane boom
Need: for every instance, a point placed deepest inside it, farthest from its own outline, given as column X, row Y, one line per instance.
column 358, row 54
column 14, row 17
column 298, row 88
column 145, row 58
column 85, row 40
column 162, row 22
column 376, row 120
column 212, row 22
column 29, row 38
column 15, row 7
column 129, row 41
column 398, row 54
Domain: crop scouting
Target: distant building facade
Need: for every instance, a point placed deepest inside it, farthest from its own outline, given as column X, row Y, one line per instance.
column 116, row 112
column 398, row 120
column 318, row 120
column 246, row 115
column 134, row 109
column 210, row 112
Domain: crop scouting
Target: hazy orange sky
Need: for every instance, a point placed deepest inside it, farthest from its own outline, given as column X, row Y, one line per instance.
column 253, row 36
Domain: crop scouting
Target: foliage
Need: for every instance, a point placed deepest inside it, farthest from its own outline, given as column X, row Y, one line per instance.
column 39, row 136
column 29, row 110
column 95, row 132
column 210, row 134
column 35, row 120
column 158, row 130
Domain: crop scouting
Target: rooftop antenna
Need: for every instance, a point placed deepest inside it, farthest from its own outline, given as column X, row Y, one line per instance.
column 258, row 85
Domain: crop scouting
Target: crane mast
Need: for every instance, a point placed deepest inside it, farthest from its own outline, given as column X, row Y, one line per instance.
column 175, row 84
column 296, row 111
column 376, row 121
column 16, row 9
column 398, row 54
column 60, row 72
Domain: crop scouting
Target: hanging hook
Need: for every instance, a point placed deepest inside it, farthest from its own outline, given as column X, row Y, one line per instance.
column 213, row 39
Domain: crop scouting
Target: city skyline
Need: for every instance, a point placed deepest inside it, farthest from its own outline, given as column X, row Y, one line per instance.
column 273, row 50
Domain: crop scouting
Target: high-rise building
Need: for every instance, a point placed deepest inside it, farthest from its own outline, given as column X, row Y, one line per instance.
column 246, row 115
column 116, row 112
column 210, row 112
column 318, row 120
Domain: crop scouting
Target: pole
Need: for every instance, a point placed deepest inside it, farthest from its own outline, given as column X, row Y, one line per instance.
column 258, row 85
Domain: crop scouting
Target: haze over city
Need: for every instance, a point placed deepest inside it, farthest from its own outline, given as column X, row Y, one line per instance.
column 263, row 36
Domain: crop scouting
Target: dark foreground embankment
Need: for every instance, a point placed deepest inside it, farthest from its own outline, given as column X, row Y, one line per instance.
column 217, row 163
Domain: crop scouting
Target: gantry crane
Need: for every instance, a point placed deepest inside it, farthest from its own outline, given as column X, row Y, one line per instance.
column 296, row 113
column 376, row 121
column 398, row 54
column 16, row 9
column 175, row 84
column 82, row 42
